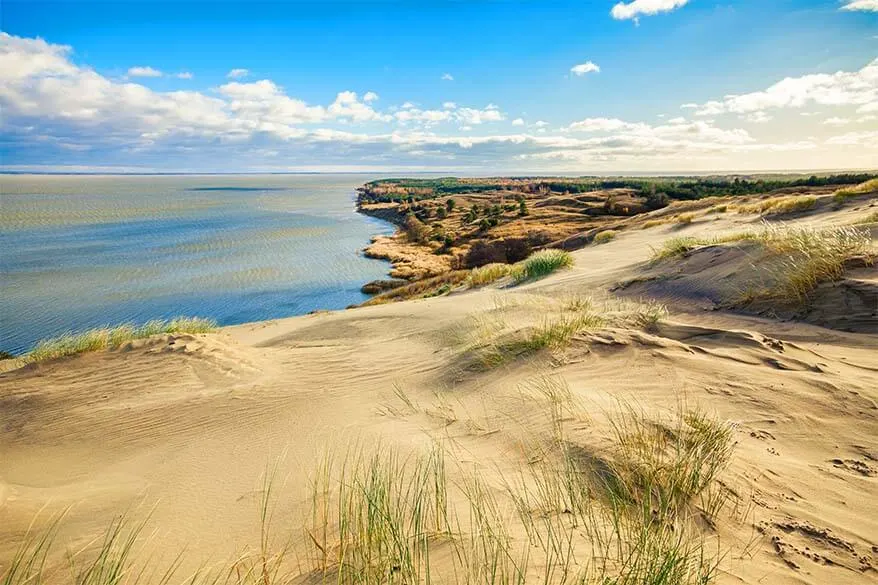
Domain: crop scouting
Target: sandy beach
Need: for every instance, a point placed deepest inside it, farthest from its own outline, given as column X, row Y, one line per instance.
column 181, row 430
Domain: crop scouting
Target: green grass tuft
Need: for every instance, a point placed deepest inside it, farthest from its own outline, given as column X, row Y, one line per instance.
column 113, row 337
column 541, row 264
column 605, row 236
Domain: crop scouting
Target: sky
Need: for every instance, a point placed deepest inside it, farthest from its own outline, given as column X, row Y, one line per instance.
column 662, row 86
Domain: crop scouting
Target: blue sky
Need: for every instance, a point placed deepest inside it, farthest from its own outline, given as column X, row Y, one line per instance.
column 604, row 86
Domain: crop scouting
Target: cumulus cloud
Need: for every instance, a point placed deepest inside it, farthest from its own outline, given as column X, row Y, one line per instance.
column 637, row 8
column 859, row 88
column 55, row 110
column 238, row 73
column 863, row 5
column 583, row 68
column 144, row 72
column 447, row 77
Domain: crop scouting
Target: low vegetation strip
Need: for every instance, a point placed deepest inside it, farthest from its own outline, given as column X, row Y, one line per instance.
column 113, row 337
column 802, row 258
column 630, row 513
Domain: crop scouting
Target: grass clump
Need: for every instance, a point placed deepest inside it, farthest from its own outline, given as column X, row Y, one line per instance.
column 780, row 205
column 685, row 218
column 488, row 274
column 810, row 257
column 113, row 337
column 428, row 287
column 541, row 264
column 871, row 218
column 605, row 236
column 846, row 193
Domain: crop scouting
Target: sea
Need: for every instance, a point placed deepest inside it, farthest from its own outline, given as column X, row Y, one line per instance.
column 85, row 251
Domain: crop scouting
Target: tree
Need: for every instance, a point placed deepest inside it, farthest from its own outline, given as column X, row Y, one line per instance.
column 449, row 204
column 522, row 207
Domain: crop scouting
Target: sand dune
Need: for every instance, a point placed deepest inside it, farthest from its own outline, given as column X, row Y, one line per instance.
column 183, row 427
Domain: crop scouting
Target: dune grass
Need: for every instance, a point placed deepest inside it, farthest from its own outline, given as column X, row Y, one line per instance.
column 113, row 337
column 428, row 287
column 779, row 205
column 685, row 218
column 868, row 219
column 629, row 513
column 605, row 236
column 489, row 273
column 802, row 257
column 846, row 193
column 541, row 264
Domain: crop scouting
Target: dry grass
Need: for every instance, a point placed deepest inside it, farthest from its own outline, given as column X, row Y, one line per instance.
column 868, row 219
column 803, row 258
column 846, row 193
column 605, row 236
column 113, row 337
column 428, row 287
column 685, row 218
column 779, row 205
column 489, row 342
column 489, row 273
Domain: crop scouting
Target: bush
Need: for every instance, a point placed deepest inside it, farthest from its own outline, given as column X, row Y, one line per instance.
column 488, row 273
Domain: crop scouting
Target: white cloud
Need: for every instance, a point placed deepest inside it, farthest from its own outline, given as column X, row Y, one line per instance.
column 862, row 138
column 864, row 5
column 689, row 106
column 56, row 111
column 184, row 75
column 370, row 96
column 603, row 125
column 758, row 118
column 238, row 73
column 583, row 68
column 629, row 10
column 449, row 105
column 144, row 72
column 825, row 89
column 447, row 77
column 836, row 121
column 540, row 124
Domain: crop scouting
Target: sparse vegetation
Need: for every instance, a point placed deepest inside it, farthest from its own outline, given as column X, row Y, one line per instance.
column 628, row 515
column 541, row 264
column 870, row 218
column 804, row 257
column 605, row 236
column 846, row 193
column 779, row 205
column 488, row 273
column 685, row 218
column 419, row 289
column 113, row 337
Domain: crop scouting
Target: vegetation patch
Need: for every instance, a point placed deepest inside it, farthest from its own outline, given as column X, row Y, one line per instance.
column 846, row 193
column 779, row 205
column 605, row 236
column 428, row 287
column 113, row 337
column 488, row 274
column 541, row 264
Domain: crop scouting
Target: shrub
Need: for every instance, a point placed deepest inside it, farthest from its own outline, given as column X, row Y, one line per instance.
column 685, row 218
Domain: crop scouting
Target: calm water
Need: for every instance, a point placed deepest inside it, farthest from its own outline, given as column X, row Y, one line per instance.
column 84, row 251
